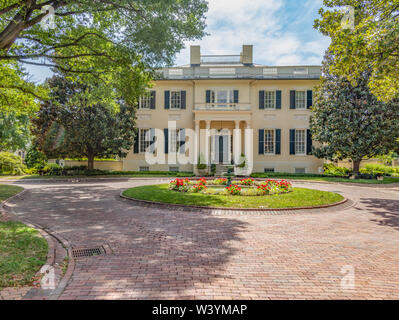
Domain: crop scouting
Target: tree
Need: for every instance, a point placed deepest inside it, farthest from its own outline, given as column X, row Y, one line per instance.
column 373, row 43
column 116, row 42
column 35, row 158
column 349, row 121
column 14, row 131
column 67, row 127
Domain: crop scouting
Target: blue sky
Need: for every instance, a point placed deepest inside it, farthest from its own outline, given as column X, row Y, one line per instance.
column 280, row 30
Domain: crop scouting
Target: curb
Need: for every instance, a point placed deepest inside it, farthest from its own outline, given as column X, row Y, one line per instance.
column 162, row 204
column 50, row 237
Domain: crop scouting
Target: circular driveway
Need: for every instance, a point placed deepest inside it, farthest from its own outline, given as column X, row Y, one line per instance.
column 174, row 254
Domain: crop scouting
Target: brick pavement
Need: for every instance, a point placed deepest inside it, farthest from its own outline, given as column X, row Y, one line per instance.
column 174, row 254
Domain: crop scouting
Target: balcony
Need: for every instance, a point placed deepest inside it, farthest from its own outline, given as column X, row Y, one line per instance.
column 222, row 107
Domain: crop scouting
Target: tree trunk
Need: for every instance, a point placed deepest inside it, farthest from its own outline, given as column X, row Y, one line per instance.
column 90, row 162
column 356, row 166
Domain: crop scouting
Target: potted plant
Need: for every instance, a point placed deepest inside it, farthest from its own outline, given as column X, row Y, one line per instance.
column 201, row 166
column 241, row 169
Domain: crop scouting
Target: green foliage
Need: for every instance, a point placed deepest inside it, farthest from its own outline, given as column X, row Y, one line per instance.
column 373, row 43
column 11, row 164
column 378, row 169
column 14, row 131
column 335, row 171
column 348, row 121
column 35, row 158
column 67, row 127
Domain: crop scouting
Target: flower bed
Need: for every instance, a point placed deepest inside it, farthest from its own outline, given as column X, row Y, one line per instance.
column 244, row 187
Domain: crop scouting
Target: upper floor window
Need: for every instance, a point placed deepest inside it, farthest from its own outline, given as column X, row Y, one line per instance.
column 145, row 101
column 300, row 99
column 222, row 97
column 300, row 141
column 270, row 99
column 269, row 141
column 175, row 99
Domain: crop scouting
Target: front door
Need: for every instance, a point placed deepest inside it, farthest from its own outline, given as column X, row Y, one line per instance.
column 221, row 149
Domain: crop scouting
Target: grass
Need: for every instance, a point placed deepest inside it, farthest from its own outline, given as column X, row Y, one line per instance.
column 22, row 250
column 298, row 198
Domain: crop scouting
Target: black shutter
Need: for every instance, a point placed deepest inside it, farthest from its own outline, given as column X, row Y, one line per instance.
column 153, row 94
column 167, row 99
column 136, row 141
column 261, row 99
column 208, row 96
column 292, row 99
column 278, row 141
column 292, row 141
column 309, row 99
column 182, row 141
column 235, row 96
column 183, row 100
column 309, row 142
column 166, row 135
column 278, row 99
column 152, row 140
column 261, row 141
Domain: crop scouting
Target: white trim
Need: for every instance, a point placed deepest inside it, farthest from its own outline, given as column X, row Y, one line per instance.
column 274, row 141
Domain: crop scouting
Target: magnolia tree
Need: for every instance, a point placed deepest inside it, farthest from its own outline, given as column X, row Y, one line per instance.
column 66, row 126
column 371, row 42
column 349, row 121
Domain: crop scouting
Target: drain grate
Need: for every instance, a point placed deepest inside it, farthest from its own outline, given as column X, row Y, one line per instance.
column 91, row 252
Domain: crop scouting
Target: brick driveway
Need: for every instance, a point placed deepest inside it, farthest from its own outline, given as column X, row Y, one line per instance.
column 171, row 254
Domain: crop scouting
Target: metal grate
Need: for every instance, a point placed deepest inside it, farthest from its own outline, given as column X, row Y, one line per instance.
column 91, row 252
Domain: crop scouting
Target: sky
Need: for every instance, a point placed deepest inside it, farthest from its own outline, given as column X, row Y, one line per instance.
column 280, row 30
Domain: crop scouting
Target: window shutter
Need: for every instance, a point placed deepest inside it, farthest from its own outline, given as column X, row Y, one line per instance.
column 261, row 100
column 182, row 141
column 261, row 141
column 153, row 95
column 278, row 141
column 152, row 140
column 308, row 142
column 208, row 96
column 166, row 135
column 278, row 99
column 183, row 100
column 167, row 99
column 292, row 99
column 292, row 141
column 235, row 96
column 136, row 141
column 309, row 99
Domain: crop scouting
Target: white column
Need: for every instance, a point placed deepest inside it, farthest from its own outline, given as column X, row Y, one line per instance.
column 207, row 138
column 249, row 145
column 237, row 142
column 197, row 141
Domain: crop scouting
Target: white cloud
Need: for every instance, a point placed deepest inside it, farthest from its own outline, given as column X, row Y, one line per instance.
column 232, row 23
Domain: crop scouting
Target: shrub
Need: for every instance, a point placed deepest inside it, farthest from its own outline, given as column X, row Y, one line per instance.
column 378, row 169
column 335, row 171
column 35, row 158
column 234, row 190
column 11, row 164
column 31, row 171
column 198, row 188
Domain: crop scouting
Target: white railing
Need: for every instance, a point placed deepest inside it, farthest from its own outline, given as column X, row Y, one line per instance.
column 223, row 106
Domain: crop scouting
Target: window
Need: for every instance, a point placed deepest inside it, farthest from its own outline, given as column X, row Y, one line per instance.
column 269, row 141
column 300, row 170
column 269, row 170
column 144, row 144
column 175, row 100
column 300, row 99
column 222, row 97
column 300, row 141
column 144, row 169
column 145, row 101
column 174, row 138
column 270, row 99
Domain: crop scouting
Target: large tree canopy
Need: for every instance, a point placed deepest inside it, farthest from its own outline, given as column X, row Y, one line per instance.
column 114, row 41
column 374, row 42
column 349, row 121
column 66, row 126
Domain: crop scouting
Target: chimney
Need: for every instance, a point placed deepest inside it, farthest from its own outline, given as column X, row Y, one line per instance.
column 247, row 55
column 195, row 55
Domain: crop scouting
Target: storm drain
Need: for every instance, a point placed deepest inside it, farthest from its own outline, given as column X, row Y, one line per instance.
column 91, row 252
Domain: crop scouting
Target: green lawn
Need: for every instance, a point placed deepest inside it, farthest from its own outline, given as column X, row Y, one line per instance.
column 22, row 250
column 298, row 198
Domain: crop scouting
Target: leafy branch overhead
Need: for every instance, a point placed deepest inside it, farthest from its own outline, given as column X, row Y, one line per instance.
column 118, row 42
column 374, row 42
